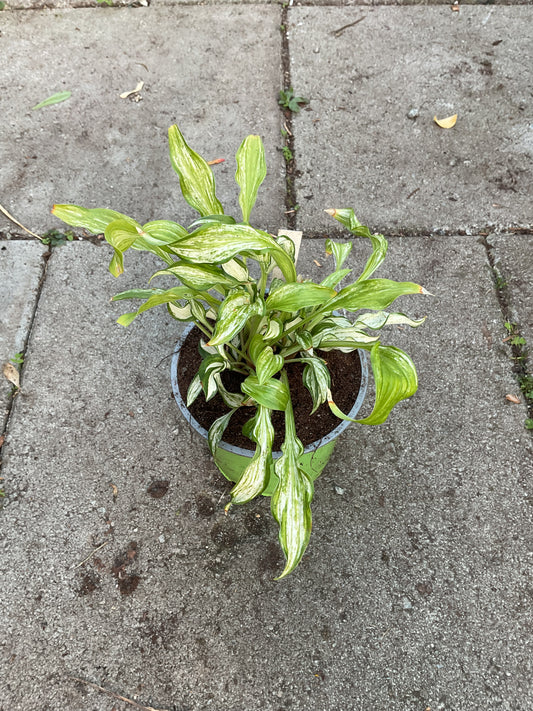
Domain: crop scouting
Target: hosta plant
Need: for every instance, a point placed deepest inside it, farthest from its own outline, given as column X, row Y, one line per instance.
column 256, row 324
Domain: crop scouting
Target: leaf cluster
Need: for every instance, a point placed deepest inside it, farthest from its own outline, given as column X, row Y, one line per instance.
column 288, row 100
column 255, row 325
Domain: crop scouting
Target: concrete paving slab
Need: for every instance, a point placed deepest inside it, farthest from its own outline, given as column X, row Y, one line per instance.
column 21, row 270
column 414, row 591
column 513, row 257
column 200, row 70
column 368, row 139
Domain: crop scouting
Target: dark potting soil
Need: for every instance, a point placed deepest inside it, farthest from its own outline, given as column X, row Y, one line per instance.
column 345, row 370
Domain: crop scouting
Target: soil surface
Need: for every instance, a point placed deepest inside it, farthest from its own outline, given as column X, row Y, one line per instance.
column 345, row 370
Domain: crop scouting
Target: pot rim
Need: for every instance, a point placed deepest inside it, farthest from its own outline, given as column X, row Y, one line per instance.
column 333, row 434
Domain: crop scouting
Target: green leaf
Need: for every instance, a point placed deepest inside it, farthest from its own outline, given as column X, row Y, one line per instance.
column 291, row 501
column 294, row 296
column 272, row 394
column 166, row 297
column 340, row 251
column 216, row 244
column 195, row 388
column 209, row 367
column 317, row 380
column 288, row 100
column 196, row 177
column 335, row 278
column 54, row 99
column 251, row 171
column 395, row 378
column 267, row 365
column 233, row 314
column 373, row 294
column 126, row 319
column 93, row 219
column 256, row 475
column 136, row 294
column 216, row 431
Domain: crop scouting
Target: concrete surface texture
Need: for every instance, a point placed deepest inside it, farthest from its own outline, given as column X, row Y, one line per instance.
column 120, row 574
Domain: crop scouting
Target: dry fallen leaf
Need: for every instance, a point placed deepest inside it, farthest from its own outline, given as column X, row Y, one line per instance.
column 317, row 263
column 12, row 374
column 137, row 89
column 216, row 161
column 446, row 122
column 513, row 398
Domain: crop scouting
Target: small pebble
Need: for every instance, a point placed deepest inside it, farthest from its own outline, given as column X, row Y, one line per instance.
column 407, row 604
column 161, row 539
column 339, row 490
column 413, row 114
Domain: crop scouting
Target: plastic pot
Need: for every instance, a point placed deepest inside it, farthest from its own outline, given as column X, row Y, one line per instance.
column 232, row 460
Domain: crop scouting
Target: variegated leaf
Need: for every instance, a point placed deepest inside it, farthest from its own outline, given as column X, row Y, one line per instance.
column 94, row 220
column 196, row 177
column 166, row 231
column 291, row 501
column 273, row 330
column 340, row 251
column 379, row 244
column 377, row 320
column 267, row 365
column 198, row 276
column 121, row 235
column 235, row 311
column 256, row 475
column 272, row 394
column 395, row 378
column 216, row 431
column 317, row 380
column 136, row 294
column 209, row 367
column 294, row 296
column 236, row 269
column 373, row 294
column 180, row 313
column 166, row 297
column 251, row 171
column 216, row 244
column 195, row 388
column 232, row 400
column 305, row 340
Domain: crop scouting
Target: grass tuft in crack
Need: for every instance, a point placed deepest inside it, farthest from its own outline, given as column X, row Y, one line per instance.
column 515, row 339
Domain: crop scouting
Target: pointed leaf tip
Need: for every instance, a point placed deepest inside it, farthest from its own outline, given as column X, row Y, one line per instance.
column 331, row 212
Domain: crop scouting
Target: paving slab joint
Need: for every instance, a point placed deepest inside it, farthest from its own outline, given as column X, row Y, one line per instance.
column 5, row 424
column 287, row 131
column 515, row 341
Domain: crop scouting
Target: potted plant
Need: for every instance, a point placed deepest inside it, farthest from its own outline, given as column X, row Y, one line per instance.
column 256, row 328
